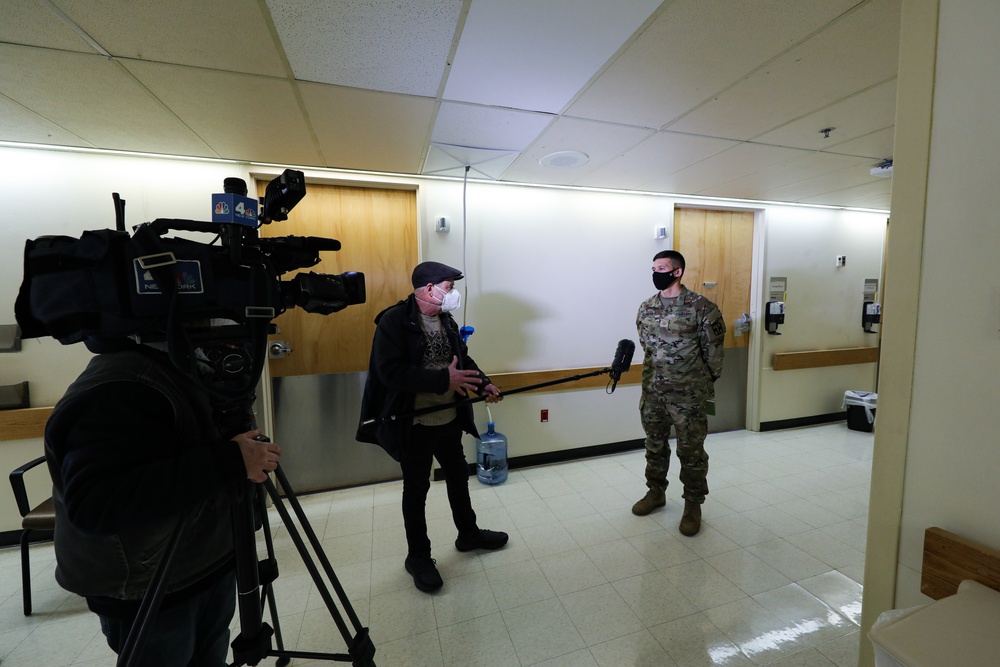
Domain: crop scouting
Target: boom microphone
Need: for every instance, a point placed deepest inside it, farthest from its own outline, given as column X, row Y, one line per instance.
column 622, row 362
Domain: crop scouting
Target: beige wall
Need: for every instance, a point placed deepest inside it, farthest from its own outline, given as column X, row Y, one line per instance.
column 936, row 455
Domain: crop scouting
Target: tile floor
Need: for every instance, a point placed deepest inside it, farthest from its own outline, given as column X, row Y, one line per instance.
column 772, row 579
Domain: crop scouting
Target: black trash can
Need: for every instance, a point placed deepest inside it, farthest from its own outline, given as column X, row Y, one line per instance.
column 860, row 410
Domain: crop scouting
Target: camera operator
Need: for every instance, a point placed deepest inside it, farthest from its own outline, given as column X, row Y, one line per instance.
column 133, row 449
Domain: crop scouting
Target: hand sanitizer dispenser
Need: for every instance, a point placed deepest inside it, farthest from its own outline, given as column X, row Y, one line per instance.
column 871, row 315
column 774, row 314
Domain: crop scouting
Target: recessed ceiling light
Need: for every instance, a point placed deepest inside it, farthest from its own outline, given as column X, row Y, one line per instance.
column 564, row 159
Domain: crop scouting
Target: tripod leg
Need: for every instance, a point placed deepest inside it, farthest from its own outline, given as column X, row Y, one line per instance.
column 360, row 646
column 269, row 574
column 150, row 605
column 254, row 640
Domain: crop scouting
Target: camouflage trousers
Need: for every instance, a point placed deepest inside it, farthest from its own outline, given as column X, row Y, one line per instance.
column 690, row 421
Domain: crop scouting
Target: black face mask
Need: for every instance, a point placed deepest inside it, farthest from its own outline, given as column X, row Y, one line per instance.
column 663, row 280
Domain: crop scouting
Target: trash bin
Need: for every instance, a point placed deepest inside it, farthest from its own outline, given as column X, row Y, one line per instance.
column 957, row 630
column 860, row 410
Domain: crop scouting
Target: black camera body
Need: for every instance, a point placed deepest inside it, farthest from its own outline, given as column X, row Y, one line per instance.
column 108, row 285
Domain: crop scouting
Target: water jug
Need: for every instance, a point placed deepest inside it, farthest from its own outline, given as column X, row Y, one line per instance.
column 491, row 456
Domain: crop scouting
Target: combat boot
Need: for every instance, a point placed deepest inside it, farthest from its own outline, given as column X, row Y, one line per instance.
column 649, row 502
column 691, row 519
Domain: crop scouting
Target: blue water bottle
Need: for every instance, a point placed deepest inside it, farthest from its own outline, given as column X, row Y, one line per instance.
column 491, row 457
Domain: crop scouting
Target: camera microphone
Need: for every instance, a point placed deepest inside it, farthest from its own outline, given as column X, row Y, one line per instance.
column 623, row 360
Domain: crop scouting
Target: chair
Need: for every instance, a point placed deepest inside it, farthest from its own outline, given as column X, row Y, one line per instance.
column 37, row 523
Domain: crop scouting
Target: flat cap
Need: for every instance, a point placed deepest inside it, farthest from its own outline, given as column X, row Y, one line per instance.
column 433, row 273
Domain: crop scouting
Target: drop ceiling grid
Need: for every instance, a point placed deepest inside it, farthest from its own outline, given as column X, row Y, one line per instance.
column 397, row 46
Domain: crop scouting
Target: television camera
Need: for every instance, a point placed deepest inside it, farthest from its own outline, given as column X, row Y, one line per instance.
column 211, row 303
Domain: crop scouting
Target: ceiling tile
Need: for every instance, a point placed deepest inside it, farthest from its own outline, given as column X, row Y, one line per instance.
column 223, row 34
column 536, row 56
column 94, row 98
column 801, row 166
column 855, row 116
column 720, row 168
column 487, row 127
column 569, row 134
column 878, row 190
column 398, row 46
column 695, row 49
column 262, row 121
column 831, row 182
column 853, row 53
column 30, row 23
column 20, row 124
column 654, row 160
column 878, row 143
column 365, row 129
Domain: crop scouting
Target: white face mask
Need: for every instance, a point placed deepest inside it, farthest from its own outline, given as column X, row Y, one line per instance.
column 451, row 299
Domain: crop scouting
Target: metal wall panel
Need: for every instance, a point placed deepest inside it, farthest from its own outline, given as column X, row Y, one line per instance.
column 315, row 419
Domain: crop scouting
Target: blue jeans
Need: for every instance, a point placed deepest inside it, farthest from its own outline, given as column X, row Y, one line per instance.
column 194, row 633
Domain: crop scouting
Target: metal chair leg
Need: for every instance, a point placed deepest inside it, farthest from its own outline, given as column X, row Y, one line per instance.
column 25, row 573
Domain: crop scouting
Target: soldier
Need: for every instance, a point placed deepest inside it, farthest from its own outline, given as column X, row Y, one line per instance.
column 682, row 335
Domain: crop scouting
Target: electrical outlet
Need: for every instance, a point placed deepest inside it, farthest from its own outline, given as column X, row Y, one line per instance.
column 545, row 416
column 841, row 260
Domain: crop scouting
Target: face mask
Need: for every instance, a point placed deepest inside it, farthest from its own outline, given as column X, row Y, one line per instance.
column 663, row 280
column 451, row 300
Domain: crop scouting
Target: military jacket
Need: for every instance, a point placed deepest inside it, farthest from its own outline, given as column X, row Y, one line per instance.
column 682, row 344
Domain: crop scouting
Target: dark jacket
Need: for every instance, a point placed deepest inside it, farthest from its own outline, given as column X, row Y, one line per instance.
column 395, row 376
column 132, row 446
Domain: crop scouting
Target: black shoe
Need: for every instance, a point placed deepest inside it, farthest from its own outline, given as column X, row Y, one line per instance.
column 484, row 539
column 425, row 575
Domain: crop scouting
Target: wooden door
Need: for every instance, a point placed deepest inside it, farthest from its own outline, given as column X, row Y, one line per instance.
column 377, row 230
column 718, row 250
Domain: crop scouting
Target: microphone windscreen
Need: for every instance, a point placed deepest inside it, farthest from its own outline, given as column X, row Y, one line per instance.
column 623, row 357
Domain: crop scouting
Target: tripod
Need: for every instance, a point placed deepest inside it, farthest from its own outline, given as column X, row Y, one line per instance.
column 254, row 582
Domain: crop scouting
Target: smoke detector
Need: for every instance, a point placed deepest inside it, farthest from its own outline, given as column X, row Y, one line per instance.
column 883, row 169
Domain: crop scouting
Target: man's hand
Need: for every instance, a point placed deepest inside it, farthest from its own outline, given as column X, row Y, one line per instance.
column 461, row 381
column 259, row 457
column 492, row 394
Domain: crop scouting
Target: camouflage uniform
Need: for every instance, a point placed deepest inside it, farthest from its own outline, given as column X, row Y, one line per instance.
column 682, row 339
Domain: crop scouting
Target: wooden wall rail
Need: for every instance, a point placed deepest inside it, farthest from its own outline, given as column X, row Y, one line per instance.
column 948, row 559
column 30, row 422
column 24, row 423
column 507, row 381
column 787, row 361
